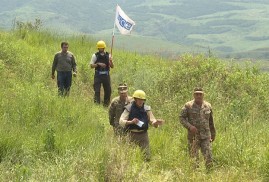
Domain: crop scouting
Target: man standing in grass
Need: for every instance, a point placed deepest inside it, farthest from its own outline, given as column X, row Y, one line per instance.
column 64, row 63
column 136, row 118
column 116, row 108
column 102, row 62
column 197, row 117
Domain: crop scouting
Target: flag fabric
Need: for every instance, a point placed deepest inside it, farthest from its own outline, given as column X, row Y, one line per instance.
column 123, row 22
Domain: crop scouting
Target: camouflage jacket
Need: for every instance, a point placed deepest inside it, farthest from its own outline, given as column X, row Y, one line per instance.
column 200, row 117
column 116, row 108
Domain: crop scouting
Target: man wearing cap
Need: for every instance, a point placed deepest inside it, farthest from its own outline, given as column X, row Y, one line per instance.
column 116, row 108
column 136, row 118
column 197, row 117
column 101, row 61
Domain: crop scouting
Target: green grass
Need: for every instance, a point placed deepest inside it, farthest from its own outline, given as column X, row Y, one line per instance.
column 47, row 138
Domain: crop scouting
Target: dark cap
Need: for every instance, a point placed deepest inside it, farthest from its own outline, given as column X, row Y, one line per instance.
column 198, row 90
column 122, row 88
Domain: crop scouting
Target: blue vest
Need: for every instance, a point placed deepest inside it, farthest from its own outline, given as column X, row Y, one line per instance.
column 139, row 113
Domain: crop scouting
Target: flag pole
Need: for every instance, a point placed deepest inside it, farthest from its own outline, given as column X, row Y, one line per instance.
column 113, row 33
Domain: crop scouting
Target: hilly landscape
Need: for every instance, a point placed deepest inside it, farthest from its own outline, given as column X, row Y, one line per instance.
column 230, row 29
column 44, row 137
column 176, row 45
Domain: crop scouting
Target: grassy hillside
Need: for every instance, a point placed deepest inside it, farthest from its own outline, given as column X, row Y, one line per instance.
column 47, row 138
column 230, row 28
column 154, row 45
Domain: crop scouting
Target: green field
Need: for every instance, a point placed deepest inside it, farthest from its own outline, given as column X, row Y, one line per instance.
column 44, row 137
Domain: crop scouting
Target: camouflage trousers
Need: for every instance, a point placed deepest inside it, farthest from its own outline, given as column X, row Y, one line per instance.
column 119, row 131
column 142, row 140
column 204, row 145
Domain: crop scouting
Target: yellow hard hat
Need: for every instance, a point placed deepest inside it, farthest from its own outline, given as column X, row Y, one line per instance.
column 139, row 94
column 101, row 45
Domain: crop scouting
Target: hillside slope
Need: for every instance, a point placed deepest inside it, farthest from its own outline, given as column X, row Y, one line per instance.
column 47, row 138
column 230, row 28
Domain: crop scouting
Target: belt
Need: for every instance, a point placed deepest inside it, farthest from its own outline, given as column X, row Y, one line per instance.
column 102, row 72
column 137, row 131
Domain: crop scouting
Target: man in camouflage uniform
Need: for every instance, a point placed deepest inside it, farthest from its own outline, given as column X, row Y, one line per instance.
column 117, row 107
column 197, row 117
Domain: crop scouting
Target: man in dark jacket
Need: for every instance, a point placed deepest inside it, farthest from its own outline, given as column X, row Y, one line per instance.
column 101, row 61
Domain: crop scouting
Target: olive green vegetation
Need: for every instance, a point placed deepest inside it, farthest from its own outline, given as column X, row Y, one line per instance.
column 230, row 28
column 44, row 137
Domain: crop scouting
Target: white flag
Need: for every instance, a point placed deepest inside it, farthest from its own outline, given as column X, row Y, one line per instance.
column 123, row 22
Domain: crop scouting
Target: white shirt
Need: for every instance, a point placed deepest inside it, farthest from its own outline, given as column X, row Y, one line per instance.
column 94, row 59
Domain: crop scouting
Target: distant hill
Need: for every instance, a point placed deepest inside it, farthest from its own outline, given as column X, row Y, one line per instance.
column 230, row 28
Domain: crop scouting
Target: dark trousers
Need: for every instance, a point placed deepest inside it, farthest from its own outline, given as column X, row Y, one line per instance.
column 105, row 81
column 64, row 81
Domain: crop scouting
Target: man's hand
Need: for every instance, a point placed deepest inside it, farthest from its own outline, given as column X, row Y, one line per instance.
column 193, row 129
column 75, row 74
column 212, row 139
column 157, row 123
column 135, row 121
column 111, row 63
column 52, row 76
column 102, row 65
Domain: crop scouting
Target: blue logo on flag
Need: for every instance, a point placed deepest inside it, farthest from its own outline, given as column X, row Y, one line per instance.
column 123, row 23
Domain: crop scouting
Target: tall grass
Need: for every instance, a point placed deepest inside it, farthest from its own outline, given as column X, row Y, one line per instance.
column 47, row 138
